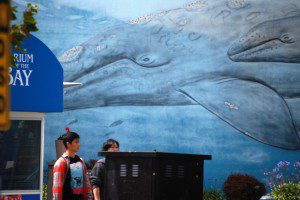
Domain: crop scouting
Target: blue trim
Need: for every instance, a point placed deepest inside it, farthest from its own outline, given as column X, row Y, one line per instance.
column 37, row 82
column 31, row 197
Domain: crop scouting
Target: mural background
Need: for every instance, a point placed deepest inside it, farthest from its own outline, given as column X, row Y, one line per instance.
column 64, row 24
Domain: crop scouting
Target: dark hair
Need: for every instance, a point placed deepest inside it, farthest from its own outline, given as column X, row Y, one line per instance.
column 109, row 143
column 69, row 137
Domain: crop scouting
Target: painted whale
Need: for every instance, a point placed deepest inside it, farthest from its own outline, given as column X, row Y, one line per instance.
column 154, row 64
column 271, row 41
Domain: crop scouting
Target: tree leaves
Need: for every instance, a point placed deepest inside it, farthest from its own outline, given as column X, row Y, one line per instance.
column 20, row 31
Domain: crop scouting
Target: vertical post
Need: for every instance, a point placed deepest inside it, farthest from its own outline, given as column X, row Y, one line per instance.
column 4, row 63
column 202, row 177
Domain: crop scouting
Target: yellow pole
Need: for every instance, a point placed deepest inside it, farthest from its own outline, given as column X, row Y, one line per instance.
column 4, row 64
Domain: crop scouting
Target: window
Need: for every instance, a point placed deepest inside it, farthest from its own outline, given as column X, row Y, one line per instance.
column 20, row 150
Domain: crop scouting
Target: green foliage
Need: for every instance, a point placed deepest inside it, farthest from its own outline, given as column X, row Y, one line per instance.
column 243, row 187
column 212, row 195
column 289, row 191
column 20, row 31
column 44, row 197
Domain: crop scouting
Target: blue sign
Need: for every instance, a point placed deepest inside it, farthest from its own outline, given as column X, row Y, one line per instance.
column 36, row 82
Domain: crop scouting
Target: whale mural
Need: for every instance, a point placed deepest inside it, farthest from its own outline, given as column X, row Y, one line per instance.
column 177, row 58
column 189, row 76
column 271, row 41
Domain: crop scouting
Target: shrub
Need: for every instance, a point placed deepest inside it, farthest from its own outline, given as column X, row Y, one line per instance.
column 289, row 191
column 283, row 172
column 44, row 193
column 243, row 187
column 212, row 195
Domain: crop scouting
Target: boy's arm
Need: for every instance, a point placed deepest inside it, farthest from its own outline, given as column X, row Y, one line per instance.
column 96, row 192
column 96, row 175
column 59, row 172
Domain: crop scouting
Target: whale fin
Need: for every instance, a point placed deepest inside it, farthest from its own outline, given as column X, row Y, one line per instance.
column 251, row 107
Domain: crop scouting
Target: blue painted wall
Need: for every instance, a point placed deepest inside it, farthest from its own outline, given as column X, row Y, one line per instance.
column 194, row 77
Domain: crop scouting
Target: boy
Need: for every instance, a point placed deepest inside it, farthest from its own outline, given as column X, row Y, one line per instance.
column 98, row 171
column 70, row 181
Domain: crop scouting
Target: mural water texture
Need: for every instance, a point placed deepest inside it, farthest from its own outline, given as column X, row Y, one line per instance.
column 190, row 79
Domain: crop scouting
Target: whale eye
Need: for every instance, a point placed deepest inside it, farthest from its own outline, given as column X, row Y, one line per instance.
column 287, row 38
column 146, row 59
column 151, row 60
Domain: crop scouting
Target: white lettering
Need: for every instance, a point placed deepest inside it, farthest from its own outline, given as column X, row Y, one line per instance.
column 30, row 57
column 27, row 76
column 23, row 58
column 18, row 77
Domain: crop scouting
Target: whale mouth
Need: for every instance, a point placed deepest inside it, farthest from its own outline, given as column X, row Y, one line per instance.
column 95, row 81
column 260, row 52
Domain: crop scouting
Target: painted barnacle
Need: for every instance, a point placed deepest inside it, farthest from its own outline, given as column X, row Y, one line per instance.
column 236, row 4
column 72, row 54
column 100, row 47
column 195, row 5
column 231, row 105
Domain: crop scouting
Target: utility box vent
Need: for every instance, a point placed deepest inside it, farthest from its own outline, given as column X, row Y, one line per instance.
column 135, row 170
column 123, row 170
